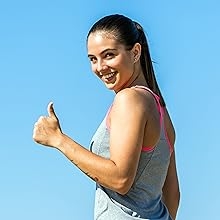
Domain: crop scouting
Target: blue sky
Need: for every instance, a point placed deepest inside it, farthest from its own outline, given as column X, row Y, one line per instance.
column 43, row 58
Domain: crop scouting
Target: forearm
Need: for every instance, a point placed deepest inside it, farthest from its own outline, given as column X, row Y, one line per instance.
column 102, row 170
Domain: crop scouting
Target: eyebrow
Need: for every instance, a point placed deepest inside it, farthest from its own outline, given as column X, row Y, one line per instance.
column 89, row 55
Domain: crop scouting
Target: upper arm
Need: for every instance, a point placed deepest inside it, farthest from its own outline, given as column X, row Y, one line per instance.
column 127, row 122
column 171, row 185
column 171, row 192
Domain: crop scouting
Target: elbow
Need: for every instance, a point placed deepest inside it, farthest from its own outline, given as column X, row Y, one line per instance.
column 122, row 191
column 123, row 186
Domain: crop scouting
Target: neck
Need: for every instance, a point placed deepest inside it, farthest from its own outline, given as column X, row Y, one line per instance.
column 137, row 78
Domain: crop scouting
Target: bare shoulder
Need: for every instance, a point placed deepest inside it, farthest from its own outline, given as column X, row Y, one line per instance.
column 136, row 110
column 135, row 98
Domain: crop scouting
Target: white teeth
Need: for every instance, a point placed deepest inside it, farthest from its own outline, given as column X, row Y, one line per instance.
column 109, row 75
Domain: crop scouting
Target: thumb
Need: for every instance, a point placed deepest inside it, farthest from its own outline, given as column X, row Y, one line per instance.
column 50, row 110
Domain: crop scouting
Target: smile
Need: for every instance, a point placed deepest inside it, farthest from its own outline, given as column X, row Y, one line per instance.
column 109, row 76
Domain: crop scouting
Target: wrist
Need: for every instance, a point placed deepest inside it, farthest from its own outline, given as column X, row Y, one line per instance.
column 63, row 143
column 60, row 141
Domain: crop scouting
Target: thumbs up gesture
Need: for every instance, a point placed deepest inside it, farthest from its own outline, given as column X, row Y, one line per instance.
column 47, row 129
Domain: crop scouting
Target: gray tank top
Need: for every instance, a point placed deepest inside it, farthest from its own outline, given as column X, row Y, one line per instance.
column 144, row 199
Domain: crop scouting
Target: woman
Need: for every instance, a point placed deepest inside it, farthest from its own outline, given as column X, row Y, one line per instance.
column 132, row 157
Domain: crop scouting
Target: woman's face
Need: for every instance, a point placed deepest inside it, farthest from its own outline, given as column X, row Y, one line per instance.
column 110, row 61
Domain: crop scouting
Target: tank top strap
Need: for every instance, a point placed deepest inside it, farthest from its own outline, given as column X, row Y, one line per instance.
column 161, row 111
column 157, row 98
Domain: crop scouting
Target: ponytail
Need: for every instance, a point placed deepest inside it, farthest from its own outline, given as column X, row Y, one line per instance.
column 146, row 64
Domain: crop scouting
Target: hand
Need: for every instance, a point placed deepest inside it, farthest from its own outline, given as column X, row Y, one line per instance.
column 47, row 129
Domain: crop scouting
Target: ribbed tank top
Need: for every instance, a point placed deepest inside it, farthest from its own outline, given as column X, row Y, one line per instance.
column 144, row 199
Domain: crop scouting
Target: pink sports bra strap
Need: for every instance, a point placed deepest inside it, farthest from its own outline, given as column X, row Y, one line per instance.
column 160, row 109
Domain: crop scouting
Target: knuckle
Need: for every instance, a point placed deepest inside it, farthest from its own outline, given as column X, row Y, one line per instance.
column 41, row 118
column 34, row 137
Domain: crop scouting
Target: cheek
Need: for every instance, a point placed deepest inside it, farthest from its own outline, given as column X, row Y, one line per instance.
column 126, row 67
column 124, row 63
column 93, row 68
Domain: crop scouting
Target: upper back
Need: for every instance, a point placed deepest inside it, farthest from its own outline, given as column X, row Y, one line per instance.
column 158, row 118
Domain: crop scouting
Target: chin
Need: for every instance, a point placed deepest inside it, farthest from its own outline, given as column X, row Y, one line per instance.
column 113, row 87
column 110, row 87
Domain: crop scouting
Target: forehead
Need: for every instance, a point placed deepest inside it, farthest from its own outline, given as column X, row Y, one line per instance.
column 100, row 41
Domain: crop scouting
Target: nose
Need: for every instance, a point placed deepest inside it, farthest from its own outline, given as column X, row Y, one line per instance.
column 101, row 66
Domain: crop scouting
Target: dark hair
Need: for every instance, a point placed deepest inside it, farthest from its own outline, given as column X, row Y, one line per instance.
column 128, row 32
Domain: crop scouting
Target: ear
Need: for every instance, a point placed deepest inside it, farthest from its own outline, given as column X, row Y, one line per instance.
column 136, row 52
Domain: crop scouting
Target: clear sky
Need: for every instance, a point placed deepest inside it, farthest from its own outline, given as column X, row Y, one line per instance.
column 43, row 58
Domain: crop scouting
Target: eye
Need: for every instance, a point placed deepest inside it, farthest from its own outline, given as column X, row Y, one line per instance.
column 92, row 59
column 109, row 55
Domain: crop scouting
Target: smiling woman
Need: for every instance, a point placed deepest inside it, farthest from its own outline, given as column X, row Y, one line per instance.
column 111, row 61
column 132, row 156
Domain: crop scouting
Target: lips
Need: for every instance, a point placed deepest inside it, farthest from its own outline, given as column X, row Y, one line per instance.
column 109, row 76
